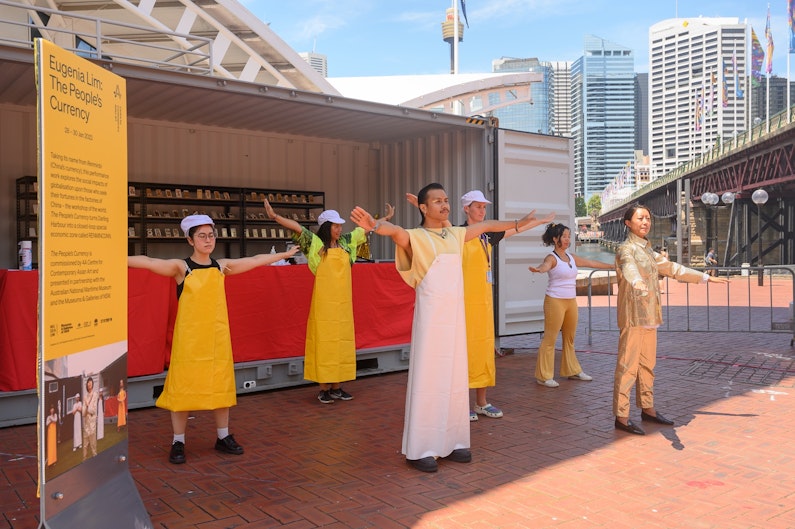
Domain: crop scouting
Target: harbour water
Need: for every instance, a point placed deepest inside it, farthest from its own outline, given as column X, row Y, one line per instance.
column 596, row 251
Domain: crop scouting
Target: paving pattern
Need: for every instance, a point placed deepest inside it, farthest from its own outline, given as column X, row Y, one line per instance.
column 553, row 460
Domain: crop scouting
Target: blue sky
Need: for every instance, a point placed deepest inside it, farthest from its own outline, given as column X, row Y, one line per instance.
column 383, row 37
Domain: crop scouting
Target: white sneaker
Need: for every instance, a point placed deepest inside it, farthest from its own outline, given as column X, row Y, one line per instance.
column 581, row 376
column 548, row 383
column 473, row 416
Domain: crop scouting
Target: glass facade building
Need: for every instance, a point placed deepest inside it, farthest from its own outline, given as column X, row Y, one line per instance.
column 526, row 117
column 603, row 114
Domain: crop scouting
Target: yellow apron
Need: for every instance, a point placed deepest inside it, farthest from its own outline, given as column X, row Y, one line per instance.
column 330, row 353
column 201, row 375
column 479, row 313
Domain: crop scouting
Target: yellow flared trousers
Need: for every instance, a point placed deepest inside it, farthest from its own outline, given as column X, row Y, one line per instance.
column 560, row 316
column 637, row 356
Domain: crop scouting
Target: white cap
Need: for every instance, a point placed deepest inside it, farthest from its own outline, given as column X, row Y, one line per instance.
column 329, row 216
column 195, row 220
column 473, row 196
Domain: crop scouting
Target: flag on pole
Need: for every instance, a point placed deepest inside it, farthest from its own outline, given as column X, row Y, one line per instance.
column 464, row 11
column 697, row 113
column 769, row 37
column 724, row 92
column 791, row 24
column 757, row 58
column 738, row 92
column 713, row 101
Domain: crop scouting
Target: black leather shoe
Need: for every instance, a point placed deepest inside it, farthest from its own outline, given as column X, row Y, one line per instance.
column 630, row 427
column 228, row 445
column 659, row 418
column 177, row 454
column 425, row 464
column 460, row 455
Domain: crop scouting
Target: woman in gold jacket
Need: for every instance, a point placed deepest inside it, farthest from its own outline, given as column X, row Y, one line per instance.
column 639, row 315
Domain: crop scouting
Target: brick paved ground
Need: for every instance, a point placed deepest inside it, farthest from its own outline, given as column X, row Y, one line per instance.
column 554, row 460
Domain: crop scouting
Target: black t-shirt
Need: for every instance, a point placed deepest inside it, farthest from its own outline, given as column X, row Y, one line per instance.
column 192, row 265
column 494, row 237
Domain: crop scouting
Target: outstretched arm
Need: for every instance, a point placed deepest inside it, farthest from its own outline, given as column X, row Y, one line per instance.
column 290, row 224
column 364, row 220
column 165, row 267
column 535, row 222
column 546, row 265
column 582, row 262
column 475, row 230
column 390, row 212
column 244, row 264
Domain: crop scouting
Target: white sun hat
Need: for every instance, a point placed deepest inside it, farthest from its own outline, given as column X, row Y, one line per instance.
column 329, row 215
column 474, row 196
column 195, row 220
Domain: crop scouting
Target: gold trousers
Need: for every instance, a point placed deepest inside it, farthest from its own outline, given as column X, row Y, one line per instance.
column 637, row 356
column 560, row 316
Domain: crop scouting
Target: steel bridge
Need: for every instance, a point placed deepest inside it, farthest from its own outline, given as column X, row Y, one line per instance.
column 709, row 201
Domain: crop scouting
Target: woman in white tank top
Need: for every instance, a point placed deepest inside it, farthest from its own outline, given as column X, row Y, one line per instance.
column 560, row 305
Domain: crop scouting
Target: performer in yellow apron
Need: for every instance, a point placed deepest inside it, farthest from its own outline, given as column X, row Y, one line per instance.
column 478, row 299
column 201, row 373
column 330, row 350
column 428, row 258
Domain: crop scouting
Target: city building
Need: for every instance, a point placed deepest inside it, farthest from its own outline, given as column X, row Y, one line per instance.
column 642, row 112
column 560, row 103
column 534, row 115
column 603, row 114
column 778, row 97
column 697, row 72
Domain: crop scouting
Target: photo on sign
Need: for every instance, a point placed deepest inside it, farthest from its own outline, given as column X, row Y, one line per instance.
column 85, row 403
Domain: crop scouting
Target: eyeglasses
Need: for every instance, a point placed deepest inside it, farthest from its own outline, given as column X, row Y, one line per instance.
column 205, row 236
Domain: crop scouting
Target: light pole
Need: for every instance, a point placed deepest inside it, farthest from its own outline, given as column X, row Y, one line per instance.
column 712, row 199
column 759, row 197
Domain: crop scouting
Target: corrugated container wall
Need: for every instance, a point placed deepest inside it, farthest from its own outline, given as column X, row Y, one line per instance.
column 349, row 173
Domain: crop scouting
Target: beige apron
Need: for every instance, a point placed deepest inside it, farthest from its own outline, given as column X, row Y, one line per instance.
column 437, row 397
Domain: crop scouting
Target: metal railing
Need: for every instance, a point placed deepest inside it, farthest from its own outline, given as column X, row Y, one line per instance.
column 107, row 39
column 742, row 305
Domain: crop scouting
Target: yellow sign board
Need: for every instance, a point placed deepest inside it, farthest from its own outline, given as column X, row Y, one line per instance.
column 83, row 186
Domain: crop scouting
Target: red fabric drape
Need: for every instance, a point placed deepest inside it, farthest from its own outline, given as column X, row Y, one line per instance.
column 268, row 309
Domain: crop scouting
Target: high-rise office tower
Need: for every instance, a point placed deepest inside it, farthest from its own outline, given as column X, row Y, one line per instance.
column 642, row 112
column 603, row 114
column 697, row 72
column 778, row 97
column 560, row 98
column 527, row 117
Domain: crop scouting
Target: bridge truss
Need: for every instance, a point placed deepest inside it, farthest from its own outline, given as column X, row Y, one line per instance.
column 741, row 231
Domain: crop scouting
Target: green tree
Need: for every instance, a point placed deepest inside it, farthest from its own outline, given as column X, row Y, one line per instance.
column 594, row 205
column 580, row 209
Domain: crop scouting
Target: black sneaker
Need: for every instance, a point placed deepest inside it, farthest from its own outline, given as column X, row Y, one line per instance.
column 340, row 394
column 228, row 445
column 325, row 397
column 177, row 454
